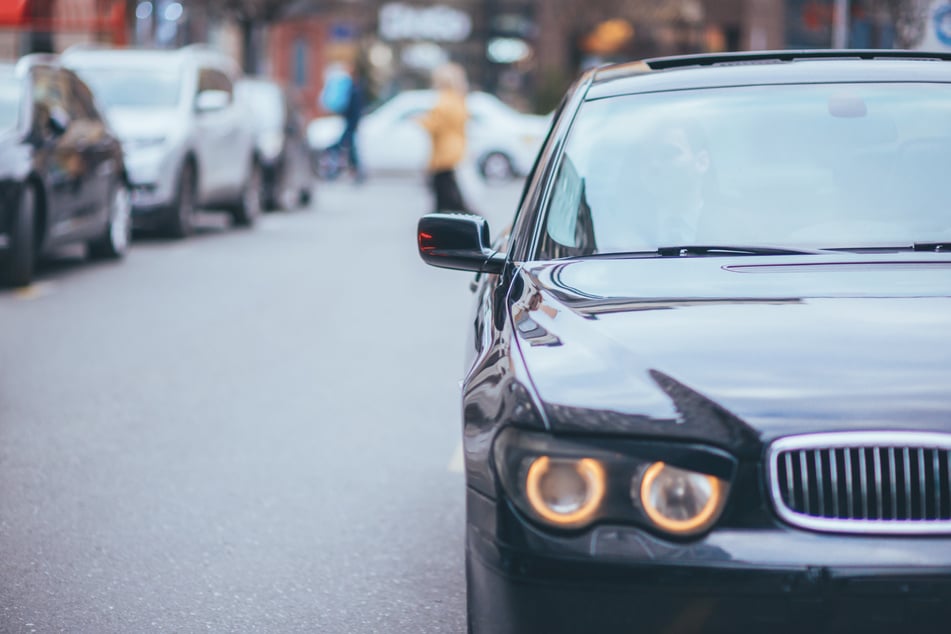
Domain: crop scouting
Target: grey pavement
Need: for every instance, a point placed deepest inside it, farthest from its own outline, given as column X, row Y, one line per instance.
column 246, row 431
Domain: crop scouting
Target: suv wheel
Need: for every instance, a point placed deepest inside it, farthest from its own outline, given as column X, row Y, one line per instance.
column 496, row 166
column 181, row 222
column 249, row 207
column 115, row 241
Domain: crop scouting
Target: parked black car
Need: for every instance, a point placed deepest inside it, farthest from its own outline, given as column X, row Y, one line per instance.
column 62, row 176
column 709, row 368
column 282, row 148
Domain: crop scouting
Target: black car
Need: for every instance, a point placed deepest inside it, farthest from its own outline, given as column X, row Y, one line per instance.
column 62, row 175
column 286, row 168
column 709, row 375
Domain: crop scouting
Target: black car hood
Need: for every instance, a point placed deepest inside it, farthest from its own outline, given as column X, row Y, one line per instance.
column 737, row 351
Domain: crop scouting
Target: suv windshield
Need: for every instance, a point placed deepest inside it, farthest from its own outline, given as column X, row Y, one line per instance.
column 9, row 101
column 121, row 87
column 799, row 166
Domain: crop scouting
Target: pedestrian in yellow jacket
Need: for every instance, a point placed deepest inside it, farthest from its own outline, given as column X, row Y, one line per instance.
column 446, row 124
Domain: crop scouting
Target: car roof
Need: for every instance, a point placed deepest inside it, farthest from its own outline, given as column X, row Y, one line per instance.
column 768, row 67
column 31, row 60
column 128, row 57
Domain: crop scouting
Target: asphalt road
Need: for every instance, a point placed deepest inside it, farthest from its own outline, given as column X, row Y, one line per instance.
column 246, row 431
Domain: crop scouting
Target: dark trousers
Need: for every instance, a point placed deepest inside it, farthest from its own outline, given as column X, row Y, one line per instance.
column 348, row 142
column 446, row 189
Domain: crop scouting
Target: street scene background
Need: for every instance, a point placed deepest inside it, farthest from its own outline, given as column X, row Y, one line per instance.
column 240, row 432
column 258, row 429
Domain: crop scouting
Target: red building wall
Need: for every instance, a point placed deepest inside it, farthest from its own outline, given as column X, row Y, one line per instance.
column 299, row 54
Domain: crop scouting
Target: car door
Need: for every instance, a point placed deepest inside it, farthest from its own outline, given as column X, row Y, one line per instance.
column 96, row 148
column 221, row 161
column 392, row 139
column 58, row 154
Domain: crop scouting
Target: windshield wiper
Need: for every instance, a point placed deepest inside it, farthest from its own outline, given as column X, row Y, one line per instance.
column 931, row 246
column 935, row 247
column 719, row 249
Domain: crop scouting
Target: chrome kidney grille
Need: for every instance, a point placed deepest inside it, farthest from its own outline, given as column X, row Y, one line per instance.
column 863, row 482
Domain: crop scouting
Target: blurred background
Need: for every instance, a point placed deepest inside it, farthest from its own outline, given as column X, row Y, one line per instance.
column 257, row 430
column 525, row 51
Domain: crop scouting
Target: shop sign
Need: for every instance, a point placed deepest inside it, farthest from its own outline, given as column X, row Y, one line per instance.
column 435, row 23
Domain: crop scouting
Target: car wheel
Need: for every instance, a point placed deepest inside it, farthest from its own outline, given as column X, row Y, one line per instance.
column 329, row 166
column 304, row 197
column 496, row 166
column 115, row 241
column 21, row 256
column 182, row 220
column 249, row 207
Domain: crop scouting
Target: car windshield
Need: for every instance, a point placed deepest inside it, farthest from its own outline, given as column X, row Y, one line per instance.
column 121, row 87
column 9, row 101
column 266, row 104
column 799, row 166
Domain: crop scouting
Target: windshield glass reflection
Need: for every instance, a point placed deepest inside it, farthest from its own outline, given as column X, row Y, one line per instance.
column 134, row 88
column 807, row 166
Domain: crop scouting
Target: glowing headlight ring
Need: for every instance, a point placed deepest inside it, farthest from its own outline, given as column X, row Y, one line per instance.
column 590, row 471
column 695, row 524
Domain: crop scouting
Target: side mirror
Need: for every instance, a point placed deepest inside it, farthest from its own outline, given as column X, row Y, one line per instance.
column 458, row 241
column 211, row 100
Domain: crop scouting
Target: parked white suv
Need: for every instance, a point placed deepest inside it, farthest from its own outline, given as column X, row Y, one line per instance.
column 188, row 142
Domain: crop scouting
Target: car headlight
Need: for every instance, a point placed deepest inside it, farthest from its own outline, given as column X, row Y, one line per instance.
column 270, row 144
column 142, row 143
column 680, row 501
column 676, row 489
column 565, row 492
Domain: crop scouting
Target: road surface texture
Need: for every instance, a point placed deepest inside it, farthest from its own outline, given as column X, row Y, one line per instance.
column 245, row 431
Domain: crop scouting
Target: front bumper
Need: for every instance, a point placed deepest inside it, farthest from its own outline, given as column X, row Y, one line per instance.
column 153, row 172
column 622, row 579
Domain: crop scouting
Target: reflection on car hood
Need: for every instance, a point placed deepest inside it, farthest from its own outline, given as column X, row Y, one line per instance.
column 737, row 350
column 143, row 123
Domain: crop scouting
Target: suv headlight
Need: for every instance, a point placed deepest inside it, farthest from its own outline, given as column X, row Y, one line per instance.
column 677, row 489
column 141, row 143
column 270, row 144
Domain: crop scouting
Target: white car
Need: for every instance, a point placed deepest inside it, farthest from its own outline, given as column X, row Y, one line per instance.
column 188, row 142
column 502, row 142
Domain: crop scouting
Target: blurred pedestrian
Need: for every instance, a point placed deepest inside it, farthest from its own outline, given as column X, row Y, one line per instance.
column 343, row 93
column 446, row 124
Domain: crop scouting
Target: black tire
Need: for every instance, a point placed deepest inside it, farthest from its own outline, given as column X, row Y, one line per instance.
column 115, row 240
column 21, row 256
column 496, row 166
column 304, row 197
column 248, row 208
column 181, row 221
column 329, row 164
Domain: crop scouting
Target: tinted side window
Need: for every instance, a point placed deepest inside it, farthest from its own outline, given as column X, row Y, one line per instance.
column 50, row 96
column 211, row 79
column 82, row 106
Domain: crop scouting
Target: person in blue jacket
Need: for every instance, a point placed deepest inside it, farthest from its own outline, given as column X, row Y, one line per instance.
column 349, row 104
